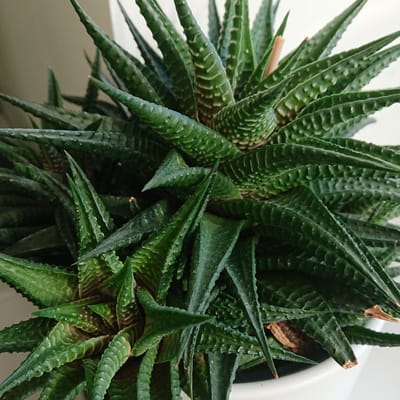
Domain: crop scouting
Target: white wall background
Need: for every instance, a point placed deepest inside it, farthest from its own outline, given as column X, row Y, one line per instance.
column 377, row 18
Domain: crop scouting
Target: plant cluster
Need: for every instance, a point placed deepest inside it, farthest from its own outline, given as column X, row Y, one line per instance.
column 215, row 215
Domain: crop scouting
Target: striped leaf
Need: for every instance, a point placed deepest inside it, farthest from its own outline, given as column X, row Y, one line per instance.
column 154, row 262
column 301, row 219
column 25, row 335
column 250, row 122
column 114, row 357
column 241, row 268
column 193, row 138
column 177, row 176
column 220, row 338
column 145, row 373
column 63, row 345
column 365, row 336
column 222, row 370
column 127, row 71
column 26, row 389
column 55, row 117
column 257, row 167
column 64, row 383
column 162, row 321
column 134, row 231
column 112, row 145
column 331, row 75
column 212, row 87
column 214, row 23
column 324, row 329
column 230, row 46
column 321, row 44
column 28, row 276
column 75, row 313
column 377, row 63
column 175, row 53
column 262, row 32
column 151, row 58
column 333, row 116
column 126, row 308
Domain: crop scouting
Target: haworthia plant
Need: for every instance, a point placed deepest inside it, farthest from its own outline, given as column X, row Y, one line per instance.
column 198, row 220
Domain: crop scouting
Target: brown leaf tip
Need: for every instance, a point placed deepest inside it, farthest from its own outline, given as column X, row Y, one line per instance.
column 377, row 312
column 350, row 364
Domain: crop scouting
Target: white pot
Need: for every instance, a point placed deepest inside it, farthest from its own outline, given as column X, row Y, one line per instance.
column 326, row 380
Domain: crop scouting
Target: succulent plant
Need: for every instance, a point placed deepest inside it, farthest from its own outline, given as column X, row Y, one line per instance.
column 215, row 216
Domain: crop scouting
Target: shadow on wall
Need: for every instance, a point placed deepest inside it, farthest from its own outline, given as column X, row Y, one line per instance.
column 37, row 34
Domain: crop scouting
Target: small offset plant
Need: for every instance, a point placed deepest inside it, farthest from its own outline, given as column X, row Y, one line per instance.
column 215, row 216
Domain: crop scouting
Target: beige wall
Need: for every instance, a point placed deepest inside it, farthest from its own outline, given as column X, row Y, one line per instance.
column 35, row 34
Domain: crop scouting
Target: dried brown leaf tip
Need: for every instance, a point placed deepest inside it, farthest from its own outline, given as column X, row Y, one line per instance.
column 275, row 55
column 377, row 312
column 350, row 364
column 290, row 337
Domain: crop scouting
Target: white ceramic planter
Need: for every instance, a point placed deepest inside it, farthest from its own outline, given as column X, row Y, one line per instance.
column 326, row 380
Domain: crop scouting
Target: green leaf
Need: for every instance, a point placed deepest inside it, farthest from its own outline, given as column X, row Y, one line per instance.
column 214, row 23
column 363, row 291
column 241, row 268
column 304, row 161
column 64, row 383
column 114, row 357
column 331, row 75
column 248, row 60
column 25, row 335
column 126, row 308
column 193, row 138
column 153, row 262
column 333, row 116
column 134, row 231
column 127, row 71
column 23, row 216
column 113, row 145
column 212, row 87
column 94, row 222
column 35, row 241
column 28, row 276
column 365, row 336
column 177, row 176
column 321, row 44
column 175, row 53
column 377, row 63
column 26, row 389
column 124, row 384
column 300, row 218
column 56, row 188
column 162, row 321
column 259, row 73
column 231, row 42
column 92, row 92
column 214, row 243
column 9, row 235
column 262, row 32
column 63, row 345
column 145, row 373
column 250, row 122
column 14, row 183
column 220, row 338
column 324, row 329
column 75, row 313
column 222, row 370
column 151, row 58
column 373, row 234
column 55, row 117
